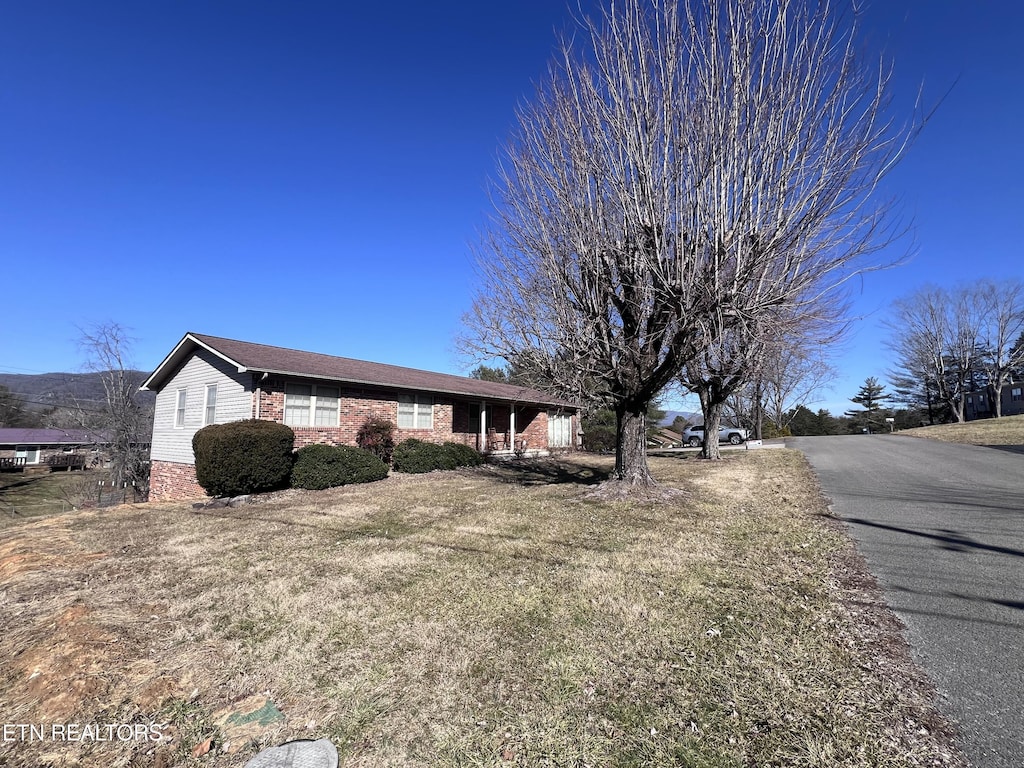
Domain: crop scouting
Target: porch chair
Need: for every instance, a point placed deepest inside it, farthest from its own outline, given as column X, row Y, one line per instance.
column 496, row 442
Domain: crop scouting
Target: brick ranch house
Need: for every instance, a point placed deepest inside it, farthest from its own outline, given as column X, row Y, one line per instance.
column 325, row 399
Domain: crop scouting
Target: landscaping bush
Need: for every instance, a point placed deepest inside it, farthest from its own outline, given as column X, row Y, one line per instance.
column 240, row 457
column 326, row 466
column 463, row 455
column 416, row 456
column 377, row 436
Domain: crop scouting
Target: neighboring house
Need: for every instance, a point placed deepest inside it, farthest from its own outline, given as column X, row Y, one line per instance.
column 25, row 448
column 664, row 438
column 325, row 399
column 981, row 405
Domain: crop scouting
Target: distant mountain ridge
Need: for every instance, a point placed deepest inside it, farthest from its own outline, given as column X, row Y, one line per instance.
column 55, row 390
column 690, row 416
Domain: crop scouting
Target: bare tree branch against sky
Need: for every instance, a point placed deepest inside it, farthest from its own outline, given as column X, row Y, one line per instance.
column 212, row 167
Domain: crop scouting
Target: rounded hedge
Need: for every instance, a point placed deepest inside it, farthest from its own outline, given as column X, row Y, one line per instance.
column 416, row 456
column 463, row 454
column 327, row 466
column 241, row 457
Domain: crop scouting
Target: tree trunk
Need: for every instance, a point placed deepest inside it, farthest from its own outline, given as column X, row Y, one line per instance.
column 631, row 445
column 712, row 409
column 758, row 410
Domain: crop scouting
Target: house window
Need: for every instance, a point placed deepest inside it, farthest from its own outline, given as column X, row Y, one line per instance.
column 30, row 455
column 415, row 412
column 179, row 410
column 308, row 405
column 1016, row 394
column 210, row 411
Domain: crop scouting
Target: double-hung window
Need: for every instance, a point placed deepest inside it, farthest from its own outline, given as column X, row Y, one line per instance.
column 1015, row 394
column 210, row 410
column 415, row 412
column 311, row 405
column 179, row 408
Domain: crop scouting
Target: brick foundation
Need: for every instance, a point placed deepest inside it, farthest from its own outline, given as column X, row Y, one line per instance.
column 169, row 481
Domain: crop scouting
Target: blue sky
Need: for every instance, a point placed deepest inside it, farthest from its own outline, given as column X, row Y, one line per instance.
column 311, row 174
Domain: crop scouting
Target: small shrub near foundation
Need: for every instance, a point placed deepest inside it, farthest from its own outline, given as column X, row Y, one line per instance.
column 377, row 436
column 463, row 455
column 416, row 456
column 326, row 466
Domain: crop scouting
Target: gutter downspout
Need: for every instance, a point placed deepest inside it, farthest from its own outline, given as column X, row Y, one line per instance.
column 259, row 393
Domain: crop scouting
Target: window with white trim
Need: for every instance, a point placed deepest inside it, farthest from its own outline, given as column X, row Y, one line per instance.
column 210, row 409
column 179, row 408
column 311, row 405
column 28, row 453
column 415, row 412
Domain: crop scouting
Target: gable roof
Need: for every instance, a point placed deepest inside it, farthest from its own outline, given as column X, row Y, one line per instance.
column 262, row 358
column 24, row 436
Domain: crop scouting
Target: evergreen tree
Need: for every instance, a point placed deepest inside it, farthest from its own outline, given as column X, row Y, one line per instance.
column 872, row 414
column 487, row 373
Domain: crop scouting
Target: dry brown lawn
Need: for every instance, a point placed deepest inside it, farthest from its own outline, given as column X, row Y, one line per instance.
column 486, row 617
column 1005, row 431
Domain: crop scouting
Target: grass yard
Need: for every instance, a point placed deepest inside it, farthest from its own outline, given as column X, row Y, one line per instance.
column 486, row 617
column 26, row 495
column 1005, row 431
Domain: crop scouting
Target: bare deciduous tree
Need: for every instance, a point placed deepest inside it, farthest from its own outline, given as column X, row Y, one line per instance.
column 957, row 340
column 769, row 366
column 124, row 423
column 701, row 163
column 1002, row 323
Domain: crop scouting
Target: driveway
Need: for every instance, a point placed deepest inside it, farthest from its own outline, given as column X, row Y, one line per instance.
column 942, row 528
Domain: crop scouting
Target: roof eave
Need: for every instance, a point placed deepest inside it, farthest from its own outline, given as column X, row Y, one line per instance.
column 177, row 356
column 437, row 390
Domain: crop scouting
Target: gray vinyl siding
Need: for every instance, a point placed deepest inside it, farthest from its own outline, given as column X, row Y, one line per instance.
column 234, row 402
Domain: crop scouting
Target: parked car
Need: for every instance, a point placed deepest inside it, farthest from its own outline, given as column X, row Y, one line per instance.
column 694, row 436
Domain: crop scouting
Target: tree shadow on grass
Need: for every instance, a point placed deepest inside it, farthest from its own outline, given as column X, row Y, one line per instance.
column 536, row 472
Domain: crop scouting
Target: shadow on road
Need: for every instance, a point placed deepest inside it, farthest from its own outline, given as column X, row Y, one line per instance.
column 952, row 541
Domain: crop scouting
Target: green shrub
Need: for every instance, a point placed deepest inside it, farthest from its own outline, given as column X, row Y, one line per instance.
column 463, row 455
column 326, row 466
column 416, row 456
column 377, row 436
column 242, row 457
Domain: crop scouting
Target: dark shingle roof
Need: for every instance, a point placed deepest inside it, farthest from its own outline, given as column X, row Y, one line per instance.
column 292, row 362
column 20, row 436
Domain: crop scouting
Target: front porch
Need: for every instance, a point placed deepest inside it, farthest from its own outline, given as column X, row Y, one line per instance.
column 501, row 430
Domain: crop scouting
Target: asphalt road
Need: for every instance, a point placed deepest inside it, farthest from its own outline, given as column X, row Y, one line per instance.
column 942, row 529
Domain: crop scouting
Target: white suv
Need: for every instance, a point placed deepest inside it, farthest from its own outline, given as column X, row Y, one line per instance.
column 694, row 436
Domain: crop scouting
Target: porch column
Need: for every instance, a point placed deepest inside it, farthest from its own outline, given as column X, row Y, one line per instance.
column 511, row 427
column 483, row 426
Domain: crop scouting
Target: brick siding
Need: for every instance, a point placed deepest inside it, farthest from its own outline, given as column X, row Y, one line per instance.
column 169, row 481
